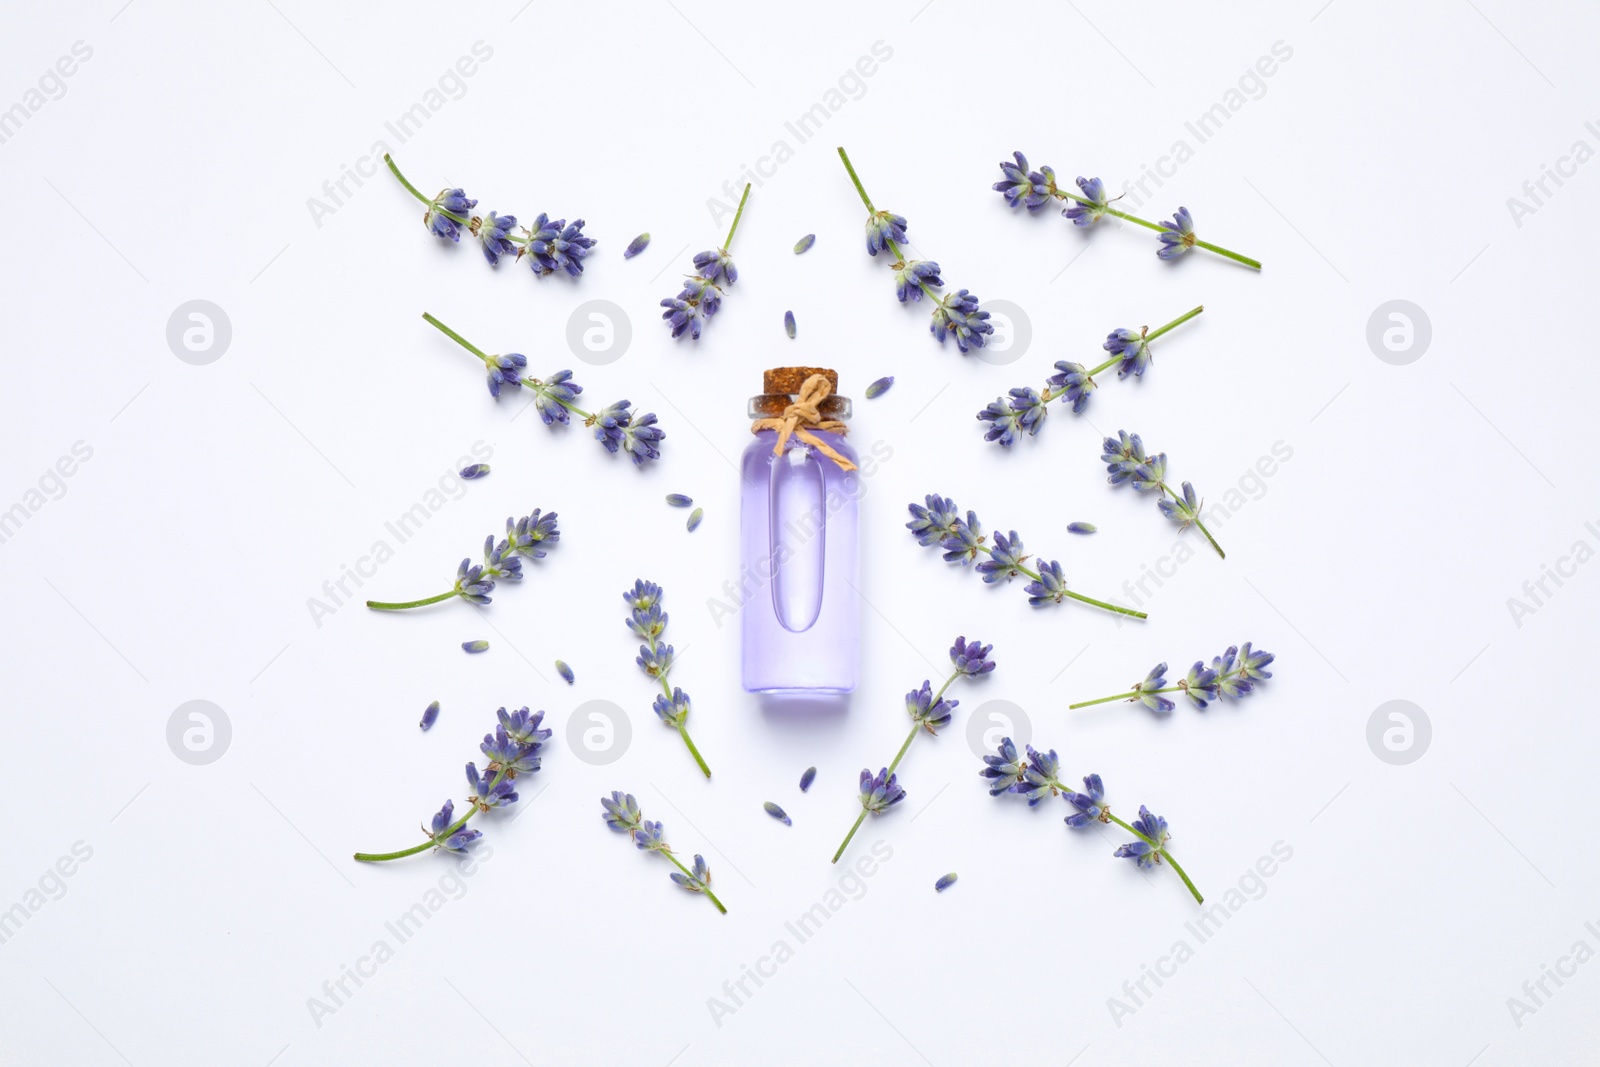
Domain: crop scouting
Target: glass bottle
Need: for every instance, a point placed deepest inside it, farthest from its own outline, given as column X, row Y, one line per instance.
column 799, row 559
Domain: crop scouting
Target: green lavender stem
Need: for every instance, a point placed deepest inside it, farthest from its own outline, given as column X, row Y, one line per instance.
column 412, row 189
column 899, row 256
column 1136, row 693
column 378, row 605
column 532, row 383
column 898, row 756
column 1162, row 853
column 1075, row 596
column 728, row 244
column 707, row 890
column 1048, row 396
column 683, row 730
column 1062, row 194
column 379, row 857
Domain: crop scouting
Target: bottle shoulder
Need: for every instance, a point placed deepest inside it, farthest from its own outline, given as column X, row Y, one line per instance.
column 764, row 440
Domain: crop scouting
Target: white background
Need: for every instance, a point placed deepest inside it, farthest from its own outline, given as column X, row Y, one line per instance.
column 177, row 563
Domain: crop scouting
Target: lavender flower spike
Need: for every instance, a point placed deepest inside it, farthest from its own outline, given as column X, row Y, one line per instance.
column 1234, row 674
column 648, row 621
column 1073, row 383
column 957, row 315
column 474, row 582
column 621, row 813
column 1023, row 187
column 1126, row 460
column 701, row 295
column 1038, row 778
column 615, row 426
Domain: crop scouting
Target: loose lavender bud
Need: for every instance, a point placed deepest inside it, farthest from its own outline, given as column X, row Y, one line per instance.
column 476, row 470
column 679, row 500
column 945, row 882
column 474, row 646
column 879, row 387
column 807, row 778
column 788, row 324
column 695, row 517
column 635, row 246
column 565, row 672
column 804, row 243
column 430, row 715
column 1081, row 527
column 777, row 813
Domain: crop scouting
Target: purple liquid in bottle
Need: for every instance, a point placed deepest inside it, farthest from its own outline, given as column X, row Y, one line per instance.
column 800, row 613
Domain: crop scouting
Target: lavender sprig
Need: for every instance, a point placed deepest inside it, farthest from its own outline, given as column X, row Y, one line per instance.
column 1125, row 457
column 939, row 524
column 929, row 710
column 614, row 426
column 956, row 315
column 549, row 245
column 649, row 622
column 474, row 582
column 1037, row 776
column 1033, row 189
column 701, row 296
column 1072, row 384
column 622, row 814
column 513, row 752
column 1232, row 674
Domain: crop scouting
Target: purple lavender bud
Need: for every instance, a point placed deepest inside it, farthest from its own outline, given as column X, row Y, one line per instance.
column 1004, row 769
column 1051, row 588
column 565, row 672
column 474, row 646
column 554, row 246
column 476, row 470
column 1025, row 187
column 430, row 715
column 788, row 324
column 635, row 246
column 1094, row 191
column 1177, row 235
column 777, row 813
column 694, row 518
column 879, row 387
column 807, row 778
column 493, row 231
column 804, row 243
column 945, row 882
column 1081, row 527
column 880, row 791
column 971, row 657
column 679, row 500
column 1143, row 852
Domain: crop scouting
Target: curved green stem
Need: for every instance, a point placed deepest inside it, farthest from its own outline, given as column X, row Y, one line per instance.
column 1062, row 194
column 1132, row 695
column 859, row 820
column 412, row 189
column 378, row 605
column 898, row 756
column 1162, row 853
column 707, row 890
column 728, row 244
column 856, row 179
column 472, row 809
column 1031, row 573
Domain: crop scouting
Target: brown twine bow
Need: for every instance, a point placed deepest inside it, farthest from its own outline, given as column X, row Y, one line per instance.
column 803, row 416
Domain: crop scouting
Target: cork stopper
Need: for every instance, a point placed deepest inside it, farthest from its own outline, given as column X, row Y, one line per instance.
column 780, row 385
column 790, row 379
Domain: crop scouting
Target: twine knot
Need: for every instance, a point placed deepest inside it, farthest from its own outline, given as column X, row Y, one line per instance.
column 804, row 416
